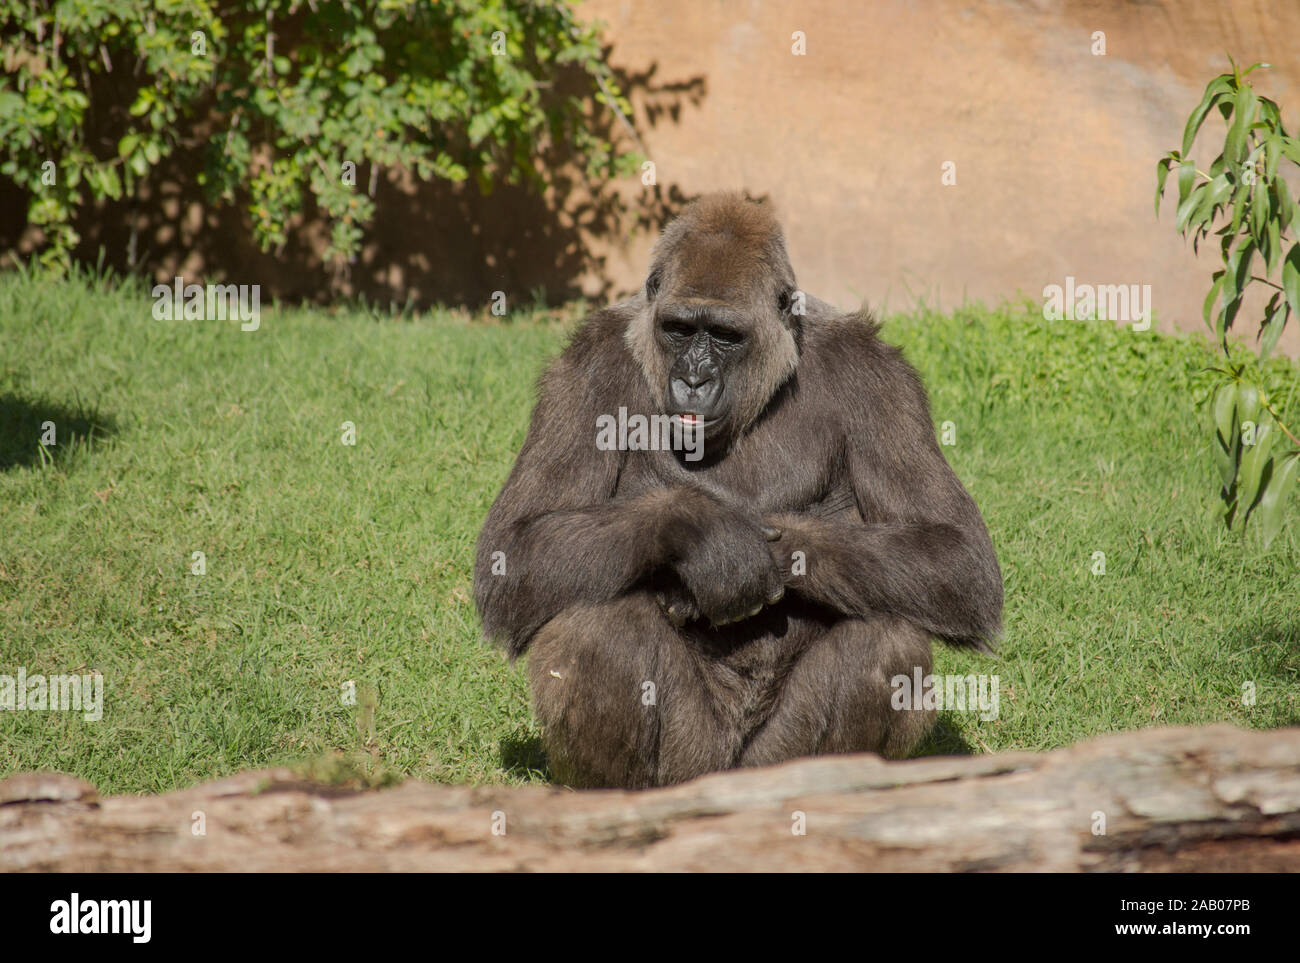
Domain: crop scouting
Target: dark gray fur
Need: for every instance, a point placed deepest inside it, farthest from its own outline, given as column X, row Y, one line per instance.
column 607, row 551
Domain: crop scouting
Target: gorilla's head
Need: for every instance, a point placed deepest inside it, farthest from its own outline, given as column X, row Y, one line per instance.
column 716, row 337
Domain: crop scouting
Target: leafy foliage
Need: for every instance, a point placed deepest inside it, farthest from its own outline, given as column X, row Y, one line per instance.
column 294, row 99
column 1245, row 194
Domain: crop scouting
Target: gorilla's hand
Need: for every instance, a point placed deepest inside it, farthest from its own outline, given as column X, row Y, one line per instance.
column 677, row 605
column 726, row 568
column 792, row 538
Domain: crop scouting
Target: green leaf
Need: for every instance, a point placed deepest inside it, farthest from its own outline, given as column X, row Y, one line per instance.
column 1291, row 278
column 1215, row 89
column 1258, row 212
column 1285, row 206
column 1162, row 172
column 1273, row 501
column 1272, row 245
column 1234, row 284
column 1253, row 459
column 110, row 183
column 1243, row 115
column 1247, row 403
column 1227, row 442
column 1239, row 263
column 1189, row 207
column 1275, row 319
column 10, row 103
column 1210, row 298
column 1269, row 110
column 1272, row 150
column 1220, row 189
column 1242, row 195
column 1225, row 403
column 1186, row 175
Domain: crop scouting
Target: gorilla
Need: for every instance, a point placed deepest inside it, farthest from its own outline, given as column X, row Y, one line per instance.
column 693, row 607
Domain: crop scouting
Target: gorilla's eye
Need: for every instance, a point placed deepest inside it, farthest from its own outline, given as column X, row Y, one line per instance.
column 726, row 336
column 678, row 329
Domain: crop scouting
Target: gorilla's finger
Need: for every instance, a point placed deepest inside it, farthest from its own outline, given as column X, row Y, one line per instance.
column 665, row 607
column 771, row 533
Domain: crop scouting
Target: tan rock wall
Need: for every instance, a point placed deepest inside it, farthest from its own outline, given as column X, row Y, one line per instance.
column 1055, row 148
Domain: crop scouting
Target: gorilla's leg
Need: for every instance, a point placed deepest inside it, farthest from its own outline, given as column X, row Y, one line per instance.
column 836, row 697
column 625, row 700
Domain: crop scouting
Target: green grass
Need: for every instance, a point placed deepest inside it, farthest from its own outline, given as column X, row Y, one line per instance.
column 328, row 563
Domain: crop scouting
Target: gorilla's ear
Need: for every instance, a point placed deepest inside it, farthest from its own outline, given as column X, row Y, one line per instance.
column 790, row 306
column 790, row 309
column 652, row 283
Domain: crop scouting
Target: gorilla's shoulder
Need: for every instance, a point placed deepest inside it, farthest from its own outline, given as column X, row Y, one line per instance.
column 847, row 351
column 600, row 335
column 847, row 368
column 596, row 363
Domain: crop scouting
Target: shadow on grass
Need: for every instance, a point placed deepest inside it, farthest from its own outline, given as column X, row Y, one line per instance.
column 1280, row 667
column 27, row 427
column 945, row 739
column 523, row 755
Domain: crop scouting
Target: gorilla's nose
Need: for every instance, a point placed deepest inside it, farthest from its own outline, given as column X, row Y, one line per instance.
column 696, row 379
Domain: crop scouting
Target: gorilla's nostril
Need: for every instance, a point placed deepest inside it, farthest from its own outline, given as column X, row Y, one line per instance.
column 697, row 379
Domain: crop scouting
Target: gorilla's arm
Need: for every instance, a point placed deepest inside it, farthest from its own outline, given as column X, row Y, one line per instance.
column 555, row 534
column 923, row 551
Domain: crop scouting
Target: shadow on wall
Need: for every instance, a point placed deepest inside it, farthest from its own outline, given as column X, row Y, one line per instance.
column 430, row 242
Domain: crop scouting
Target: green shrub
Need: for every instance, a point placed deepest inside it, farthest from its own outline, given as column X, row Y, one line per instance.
column 300, row 99
column 1246, row 195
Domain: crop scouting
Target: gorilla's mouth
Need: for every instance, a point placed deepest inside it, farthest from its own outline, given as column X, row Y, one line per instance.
column 690, row 419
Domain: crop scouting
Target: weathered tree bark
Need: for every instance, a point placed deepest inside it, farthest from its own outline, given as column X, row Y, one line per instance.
column 1192, row 799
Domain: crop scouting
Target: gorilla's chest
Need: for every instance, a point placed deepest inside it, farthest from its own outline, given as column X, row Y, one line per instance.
column 769, row 471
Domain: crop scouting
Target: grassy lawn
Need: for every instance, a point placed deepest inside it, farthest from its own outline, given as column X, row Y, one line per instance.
column 328, row 563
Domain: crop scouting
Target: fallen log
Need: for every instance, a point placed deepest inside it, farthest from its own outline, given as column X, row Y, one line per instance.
column 1215, row 798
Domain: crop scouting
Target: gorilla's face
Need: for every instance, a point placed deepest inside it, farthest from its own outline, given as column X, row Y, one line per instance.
column 703, row 345
column 715, row 334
